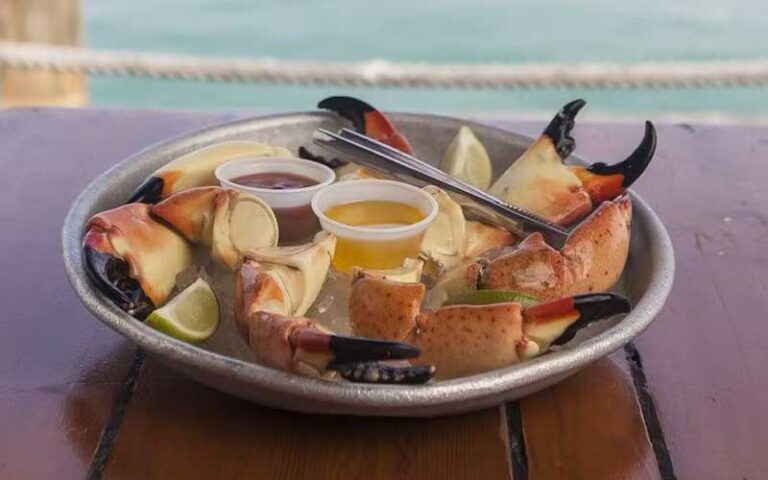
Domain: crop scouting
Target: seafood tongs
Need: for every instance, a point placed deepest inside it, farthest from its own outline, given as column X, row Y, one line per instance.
column 366, row 151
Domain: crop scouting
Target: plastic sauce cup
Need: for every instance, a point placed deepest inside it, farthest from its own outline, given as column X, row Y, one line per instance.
column 378, row 247
column 295, row 218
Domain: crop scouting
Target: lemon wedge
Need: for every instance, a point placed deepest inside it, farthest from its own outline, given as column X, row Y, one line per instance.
column 467, row 160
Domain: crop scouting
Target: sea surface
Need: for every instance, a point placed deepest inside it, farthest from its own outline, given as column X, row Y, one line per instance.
column 432, row 31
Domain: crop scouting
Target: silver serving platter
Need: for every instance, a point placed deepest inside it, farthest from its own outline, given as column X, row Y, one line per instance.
column 647, row 281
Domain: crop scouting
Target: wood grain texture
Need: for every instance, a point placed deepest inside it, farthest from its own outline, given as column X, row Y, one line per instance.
column 705, row 356
column 176, row 428
column 706, row 359
column 60, row 369
column 588, row 427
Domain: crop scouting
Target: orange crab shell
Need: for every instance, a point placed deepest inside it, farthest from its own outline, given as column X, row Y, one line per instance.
column 591, row 260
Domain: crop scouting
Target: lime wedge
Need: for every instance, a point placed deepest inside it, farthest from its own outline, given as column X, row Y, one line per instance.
column 192, row 316
column 467, row 160
column 486, row 297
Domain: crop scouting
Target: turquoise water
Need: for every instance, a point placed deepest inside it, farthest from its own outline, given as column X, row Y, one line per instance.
column 454, row 31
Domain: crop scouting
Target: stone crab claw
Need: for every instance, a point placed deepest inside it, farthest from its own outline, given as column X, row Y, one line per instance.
column 196, row 169
column 605, row 182
column 592, row 258
column 228, row 221
column 540, row 182
column 366, row 120
column 275, row 287
column 466, row 339
column 299, row 345
column 133, row 259
column 283, row 280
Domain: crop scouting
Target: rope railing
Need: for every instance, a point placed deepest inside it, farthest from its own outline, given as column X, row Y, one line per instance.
column 380, row 73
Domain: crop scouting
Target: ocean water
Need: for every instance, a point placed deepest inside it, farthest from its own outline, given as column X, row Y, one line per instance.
column 445, row 31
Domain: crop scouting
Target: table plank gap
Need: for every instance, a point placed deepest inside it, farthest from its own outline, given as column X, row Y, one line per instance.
column 111, row 429
column 650, row 416
column 517, row 456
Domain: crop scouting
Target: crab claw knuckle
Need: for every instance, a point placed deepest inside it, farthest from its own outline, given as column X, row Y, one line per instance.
column 592, row 258
column 381, row 308
column 128, row 251
column 230, row 222
column 467, row 339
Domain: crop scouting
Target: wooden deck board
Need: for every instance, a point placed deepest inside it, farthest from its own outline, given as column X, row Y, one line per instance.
column 589, row 426
column 176, row 428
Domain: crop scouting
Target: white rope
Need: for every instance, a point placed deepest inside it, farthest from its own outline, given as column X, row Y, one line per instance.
column 380, row 73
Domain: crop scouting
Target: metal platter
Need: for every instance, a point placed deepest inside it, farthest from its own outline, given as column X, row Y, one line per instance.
column 647, row 281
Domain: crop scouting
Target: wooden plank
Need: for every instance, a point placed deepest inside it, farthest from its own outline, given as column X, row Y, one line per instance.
column 705, row 356
column 60, row 369
column 176, row 428
column 58, row 22
column 589, row 426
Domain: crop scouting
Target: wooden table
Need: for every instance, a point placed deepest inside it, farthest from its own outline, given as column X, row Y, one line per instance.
column 688, row 399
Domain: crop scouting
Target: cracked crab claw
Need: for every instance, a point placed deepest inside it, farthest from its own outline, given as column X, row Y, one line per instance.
column 592, row 258
column 229, row 221
column 196, row 169
column 603, row 182
column 133, row 259
column 540, row 182
column 468, row 339
column 299, row 345
column 367, row 120
column 381, row 308
column 283, row 280
column 276, row 287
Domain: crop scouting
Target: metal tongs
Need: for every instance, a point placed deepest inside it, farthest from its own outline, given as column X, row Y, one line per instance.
column 363, row 150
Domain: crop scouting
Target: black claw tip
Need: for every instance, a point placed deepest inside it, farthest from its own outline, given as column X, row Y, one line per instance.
column 151, row 191
column 559, row 129
column 356, row 349
column 350, row 108
column 635, row 164
column 110, row 274
column 374, row 372
column 591, row 307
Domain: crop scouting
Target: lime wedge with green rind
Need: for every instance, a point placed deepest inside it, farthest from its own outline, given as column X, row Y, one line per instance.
column 487, row 297
column 192, row 316
column 466, row 159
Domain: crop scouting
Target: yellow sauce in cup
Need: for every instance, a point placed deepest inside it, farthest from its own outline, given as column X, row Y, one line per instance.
column 377, row 254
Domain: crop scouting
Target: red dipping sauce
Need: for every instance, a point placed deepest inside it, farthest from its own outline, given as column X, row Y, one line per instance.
column 295, row 223
column 275, row 180
column 286, row 184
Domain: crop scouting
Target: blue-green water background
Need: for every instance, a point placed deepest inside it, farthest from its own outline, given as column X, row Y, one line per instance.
column 446, row 31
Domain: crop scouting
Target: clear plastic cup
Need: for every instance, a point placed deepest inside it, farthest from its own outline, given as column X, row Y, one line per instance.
column 292, row 208
column 374, row 246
